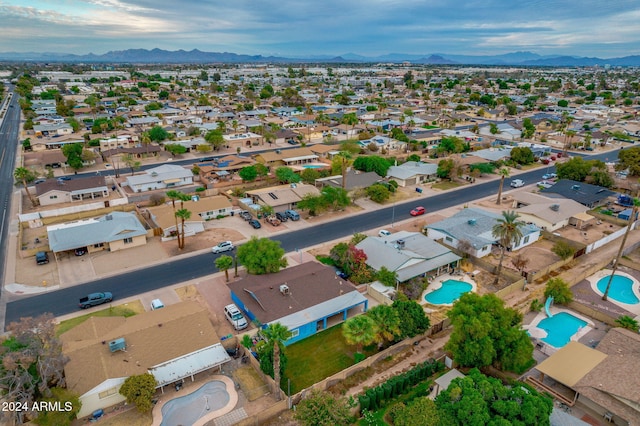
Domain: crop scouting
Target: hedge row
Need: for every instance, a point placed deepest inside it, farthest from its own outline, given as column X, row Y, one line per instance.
column 377, row 397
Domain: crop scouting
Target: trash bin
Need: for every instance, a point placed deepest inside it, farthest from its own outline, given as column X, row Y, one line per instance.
column 232, row 212
column 419, row 190
column 97, row 414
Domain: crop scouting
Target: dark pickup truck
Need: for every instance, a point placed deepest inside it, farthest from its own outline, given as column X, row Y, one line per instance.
column 95, row 299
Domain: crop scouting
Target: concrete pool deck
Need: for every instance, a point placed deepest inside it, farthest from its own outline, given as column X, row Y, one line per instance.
column 593, row 282
column 436, row 284
column 539, row 333
column 169, row 396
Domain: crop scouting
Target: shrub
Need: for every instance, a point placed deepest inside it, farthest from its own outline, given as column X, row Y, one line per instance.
column 156, row 199
column 559, row 290
column 563, row 249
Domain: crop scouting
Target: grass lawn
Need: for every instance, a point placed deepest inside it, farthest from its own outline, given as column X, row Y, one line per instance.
column 126, row 310
column 444, row 185
column 318, row 357
column 429, row 127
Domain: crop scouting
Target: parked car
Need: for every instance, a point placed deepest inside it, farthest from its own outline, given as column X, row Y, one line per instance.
column 517, row 183
column 255, row 224
column 342, row 274
column 545, row 184
column 38, row 181
column 548, row 176
column 273, row 220
column 245, row 215
column 418, row 211
column 222, row 247
column 80, row 251
column 282, row 217
column 292, row 142
column 235, row 317
column 95, row 299
column 64, row 178
column 156, row 304
column 383, row 233
column 42, row 258
column 292, row 214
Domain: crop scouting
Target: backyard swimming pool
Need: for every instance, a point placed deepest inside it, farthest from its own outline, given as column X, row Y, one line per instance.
column 187, row 409
column 621, row 289
column 313, row 166
column 560, row 328
column 450, row 291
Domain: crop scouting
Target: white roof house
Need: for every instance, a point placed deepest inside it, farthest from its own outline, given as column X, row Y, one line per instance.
column 161, row 177
column 409, row 254
column 412, row 172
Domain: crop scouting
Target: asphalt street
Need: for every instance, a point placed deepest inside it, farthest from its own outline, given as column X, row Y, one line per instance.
column 143, row 280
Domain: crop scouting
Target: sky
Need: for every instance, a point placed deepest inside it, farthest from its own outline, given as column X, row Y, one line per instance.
column 307, row 28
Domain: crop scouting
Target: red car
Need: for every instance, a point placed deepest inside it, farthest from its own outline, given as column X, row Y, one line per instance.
column 418, row 211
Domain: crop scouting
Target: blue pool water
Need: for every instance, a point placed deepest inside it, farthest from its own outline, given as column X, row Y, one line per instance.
column 450, row 291
column 560, row 328
column 312, row 166
column 187, row 409
column 621, row 289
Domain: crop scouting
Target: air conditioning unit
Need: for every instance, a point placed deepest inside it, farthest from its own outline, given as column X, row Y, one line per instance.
column 555, row 207
column 117, row 345
column 284, row 289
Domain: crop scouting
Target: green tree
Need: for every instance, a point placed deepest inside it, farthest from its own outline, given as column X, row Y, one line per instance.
column 578, row 169
column 486, row 333
column 25, row 176
column 320, row 408
column 309, row 175
column 421, row 411
column 387, row 321
column 528, row 128
column 413, row 320
column 503, row 173
column 131, row 162
column 183, row 215
column 360, row 331
column 559, row 290
column 387, row 277
column 522, row 155
column 174, row 196
column 493, row 128
column 445, row 168
column 625, row 321
column 139, row 390
column 248, row 173
column 378, row 193
column 158, row 134
column 480, row 400
column 262, row 256
column 373, row 163
column 175, row 149
column 276, row 334
column 224, row 263
column 629, row 159
column 563, row 249
column 73, row 153
column 287, row 175
column 70, row 406
column 214, row 138
column 508, row 231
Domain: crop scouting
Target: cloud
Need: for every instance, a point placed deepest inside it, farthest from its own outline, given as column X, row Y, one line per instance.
column 332, row 27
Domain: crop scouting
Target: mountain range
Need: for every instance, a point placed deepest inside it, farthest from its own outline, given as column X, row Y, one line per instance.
column 159, row 56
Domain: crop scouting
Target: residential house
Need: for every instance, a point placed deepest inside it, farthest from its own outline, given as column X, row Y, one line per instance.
column 58, row 129
column 202, row 209
column 409, row 255
column 550, row 214
column 239, row 140
column 355, row 180
column 120, row 141
column 475, row 226
column 223, row 168
column 114, row 231
column 603, row 378
column 412, row 173
column 165, row 176
column 173, row 343
column 306, row 299
column 283, row 197
column 584, row 193
column 57, row 191
column 289, row 157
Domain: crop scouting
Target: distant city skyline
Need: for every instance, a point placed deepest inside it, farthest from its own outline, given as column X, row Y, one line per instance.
column 304, row 29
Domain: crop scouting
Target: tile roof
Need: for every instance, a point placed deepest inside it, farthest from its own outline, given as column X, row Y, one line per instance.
column 77, row 184
column 581, row 192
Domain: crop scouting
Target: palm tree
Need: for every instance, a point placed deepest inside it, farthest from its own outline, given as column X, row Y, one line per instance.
column 625, row 321
column 360, row 330
column 504, row 173
column 508, row 230
column 276, row 334
column 632, row 219
column 183, row 214
column 173, row 196
column 25, row 176
column 345, row 158
column 224, row 263
column 387, row 322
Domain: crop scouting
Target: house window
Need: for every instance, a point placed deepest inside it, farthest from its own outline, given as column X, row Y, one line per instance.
column 449, row 239
column 53, row 197
column 128, row 240
column 526, row 239
column 294, row 333
column 108, row 393
column 99, row 245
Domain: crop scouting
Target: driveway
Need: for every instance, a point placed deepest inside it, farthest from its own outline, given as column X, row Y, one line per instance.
column 75, row 269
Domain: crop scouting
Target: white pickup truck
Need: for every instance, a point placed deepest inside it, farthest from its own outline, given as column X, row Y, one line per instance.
column 517, row 183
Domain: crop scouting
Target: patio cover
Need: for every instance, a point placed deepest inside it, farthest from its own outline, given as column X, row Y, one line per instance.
column 571, row 363
column 190, row 364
